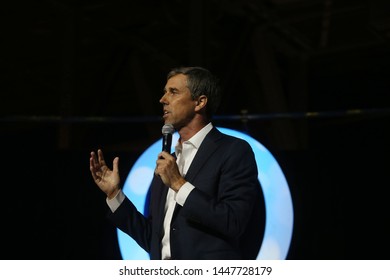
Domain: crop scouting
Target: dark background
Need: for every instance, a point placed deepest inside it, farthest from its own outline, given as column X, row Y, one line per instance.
column 309, row 79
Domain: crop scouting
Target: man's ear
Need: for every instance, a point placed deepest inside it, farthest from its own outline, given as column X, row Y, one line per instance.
column 201, row 102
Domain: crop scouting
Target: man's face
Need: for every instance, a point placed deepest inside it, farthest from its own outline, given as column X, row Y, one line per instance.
column 178, row 105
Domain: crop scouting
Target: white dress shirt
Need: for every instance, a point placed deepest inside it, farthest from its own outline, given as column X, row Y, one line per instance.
column 185, row 153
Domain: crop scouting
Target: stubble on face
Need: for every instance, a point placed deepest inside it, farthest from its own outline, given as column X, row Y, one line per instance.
column 178, row 105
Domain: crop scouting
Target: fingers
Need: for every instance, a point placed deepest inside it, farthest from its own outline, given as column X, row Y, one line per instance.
column 92, row 161
column 93, row 166
column 115, row 165
column 101, row 157
column 164, row 155
column 97, row 162
column 164, row 163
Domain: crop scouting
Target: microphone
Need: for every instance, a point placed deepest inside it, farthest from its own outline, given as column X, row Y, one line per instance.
column 167, row 131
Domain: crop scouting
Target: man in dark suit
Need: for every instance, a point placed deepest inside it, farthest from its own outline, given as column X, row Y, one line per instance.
column 205, row 200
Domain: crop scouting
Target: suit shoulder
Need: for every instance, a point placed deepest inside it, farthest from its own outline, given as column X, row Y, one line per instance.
column 229, row 140
column 227, row 137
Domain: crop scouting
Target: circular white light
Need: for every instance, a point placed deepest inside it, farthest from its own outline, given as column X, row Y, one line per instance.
column 278, row 202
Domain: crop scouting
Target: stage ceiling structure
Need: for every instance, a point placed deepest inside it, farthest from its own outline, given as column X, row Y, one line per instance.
column 68, row 62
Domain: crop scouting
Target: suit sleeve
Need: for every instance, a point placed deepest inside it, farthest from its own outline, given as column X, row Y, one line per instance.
column 132, row 222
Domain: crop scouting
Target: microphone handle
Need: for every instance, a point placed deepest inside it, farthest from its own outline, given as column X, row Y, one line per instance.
column 167, row 142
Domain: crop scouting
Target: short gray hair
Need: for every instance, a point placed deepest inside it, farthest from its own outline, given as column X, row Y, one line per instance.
column 201, row 82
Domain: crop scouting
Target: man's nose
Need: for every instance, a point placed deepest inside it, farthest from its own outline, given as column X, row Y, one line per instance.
column 163, row 99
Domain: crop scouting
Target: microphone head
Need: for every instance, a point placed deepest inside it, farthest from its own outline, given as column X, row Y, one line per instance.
column 167, row 129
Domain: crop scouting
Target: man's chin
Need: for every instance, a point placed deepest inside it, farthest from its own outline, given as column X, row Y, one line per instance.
column 167, row 120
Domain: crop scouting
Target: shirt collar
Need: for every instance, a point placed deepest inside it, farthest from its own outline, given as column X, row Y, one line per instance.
column 197, row 139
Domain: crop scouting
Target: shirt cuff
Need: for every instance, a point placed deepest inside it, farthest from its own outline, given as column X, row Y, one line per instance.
column 183, row 193
column 116, row 201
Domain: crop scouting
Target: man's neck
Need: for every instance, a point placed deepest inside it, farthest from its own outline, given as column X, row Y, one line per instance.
column 188, row 131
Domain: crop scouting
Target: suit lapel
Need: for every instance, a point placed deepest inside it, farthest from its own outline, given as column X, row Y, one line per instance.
column 206, row 150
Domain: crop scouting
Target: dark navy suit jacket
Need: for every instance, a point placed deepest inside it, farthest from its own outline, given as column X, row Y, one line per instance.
column 222, row 218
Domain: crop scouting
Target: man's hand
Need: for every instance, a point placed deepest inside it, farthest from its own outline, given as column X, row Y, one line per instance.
column 107, row 180
column 168, row 171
